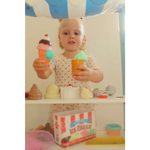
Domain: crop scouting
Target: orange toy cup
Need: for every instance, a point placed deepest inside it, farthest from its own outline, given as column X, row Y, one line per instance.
column 42, row 54
column 76, row 63
column 113, row 129
column 114, row 132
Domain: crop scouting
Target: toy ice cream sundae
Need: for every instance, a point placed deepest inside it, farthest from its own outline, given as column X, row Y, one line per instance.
column 35, row 93
column 69, row 92
column 52, row 91
column 86, row 93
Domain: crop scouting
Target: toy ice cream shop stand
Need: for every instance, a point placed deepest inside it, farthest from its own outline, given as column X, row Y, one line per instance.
column 99, row 126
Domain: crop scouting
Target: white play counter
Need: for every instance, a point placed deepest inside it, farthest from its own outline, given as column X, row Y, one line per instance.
column 109, row 110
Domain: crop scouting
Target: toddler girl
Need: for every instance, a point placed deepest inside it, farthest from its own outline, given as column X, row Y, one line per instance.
column 72, row 39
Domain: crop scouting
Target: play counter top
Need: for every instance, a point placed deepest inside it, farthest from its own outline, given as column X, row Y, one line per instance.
column 83, row 147
column 110, row 99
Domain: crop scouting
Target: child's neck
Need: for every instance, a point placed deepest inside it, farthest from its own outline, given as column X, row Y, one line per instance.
column 70, row 54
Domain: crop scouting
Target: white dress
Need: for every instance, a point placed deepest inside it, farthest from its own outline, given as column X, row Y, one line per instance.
column 63, row 77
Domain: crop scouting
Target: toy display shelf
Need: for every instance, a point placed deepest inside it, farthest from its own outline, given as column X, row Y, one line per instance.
column 83, row 147
column 110, row 99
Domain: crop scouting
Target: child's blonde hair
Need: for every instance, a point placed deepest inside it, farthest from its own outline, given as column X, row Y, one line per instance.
column 83, row 44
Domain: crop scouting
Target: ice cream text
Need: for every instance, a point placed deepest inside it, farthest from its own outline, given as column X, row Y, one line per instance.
column 79, row 128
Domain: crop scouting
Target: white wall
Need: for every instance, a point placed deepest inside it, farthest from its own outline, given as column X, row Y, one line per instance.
column 103, row 42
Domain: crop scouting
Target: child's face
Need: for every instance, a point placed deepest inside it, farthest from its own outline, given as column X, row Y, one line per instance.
column 71, row 34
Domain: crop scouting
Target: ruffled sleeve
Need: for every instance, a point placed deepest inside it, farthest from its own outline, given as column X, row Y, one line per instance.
column 53, row 63
column 92, row 63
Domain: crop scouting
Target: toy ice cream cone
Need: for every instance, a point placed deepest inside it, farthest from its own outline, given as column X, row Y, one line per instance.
column 76, row 63
column 78, row 60
column 45, row 49
column 42, row 54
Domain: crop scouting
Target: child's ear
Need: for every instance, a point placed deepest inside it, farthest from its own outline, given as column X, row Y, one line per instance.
column 59, row 37
column 84, row 38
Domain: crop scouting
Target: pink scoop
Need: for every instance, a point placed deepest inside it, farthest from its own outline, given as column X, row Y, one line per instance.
column 38, row 140
column 84, row 133
column 44, row 47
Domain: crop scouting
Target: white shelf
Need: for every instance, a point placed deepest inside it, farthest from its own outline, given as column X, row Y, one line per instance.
column 83, row 147
column 110, row 99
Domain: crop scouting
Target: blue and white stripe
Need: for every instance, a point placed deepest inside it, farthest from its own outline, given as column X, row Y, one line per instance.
column 68, row 9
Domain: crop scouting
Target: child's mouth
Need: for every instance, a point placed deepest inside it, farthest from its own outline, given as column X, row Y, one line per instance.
column 71, row 42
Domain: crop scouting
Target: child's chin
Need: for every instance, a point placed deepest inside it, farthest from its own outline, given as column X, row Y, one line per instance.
column 72, row 50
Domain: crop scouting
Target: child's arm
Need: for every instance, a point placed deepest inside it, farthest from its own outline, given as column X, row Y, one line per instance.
column 97, row 76
column 88, row 74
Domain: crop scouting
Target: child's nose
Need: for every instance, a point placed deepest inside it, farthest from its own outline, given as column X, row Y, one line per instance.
column 71, row 36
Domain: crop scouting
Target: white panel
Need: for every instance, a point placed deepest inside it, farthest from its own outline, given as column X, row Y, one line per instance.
column 42, row 9
column 74, row 11
column 75, row 2
column 32, row 2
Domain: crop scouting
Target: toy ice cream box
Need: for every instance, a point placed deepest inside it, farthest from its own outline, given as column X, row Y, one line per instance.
column 75, row 126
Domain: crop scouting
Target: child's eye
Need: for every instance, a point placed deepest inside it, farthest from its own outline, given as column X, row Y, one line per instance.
column 76, row 33
column 66, row 33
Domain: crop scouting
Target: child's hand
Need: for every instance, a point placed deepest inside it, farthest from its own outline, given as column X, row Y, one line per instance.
column 84, row 75
column 40, row 66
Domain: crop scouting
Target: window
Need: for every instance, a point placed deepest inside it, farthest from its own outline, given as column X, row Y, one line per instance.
column 126, row 22
column 123, row 23
column 125, row 39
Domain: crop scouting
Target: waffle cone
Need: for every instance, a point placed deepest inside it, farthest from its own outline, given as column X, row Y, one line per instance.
column 39, row 127
column 76, row 63
column 42, row 54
